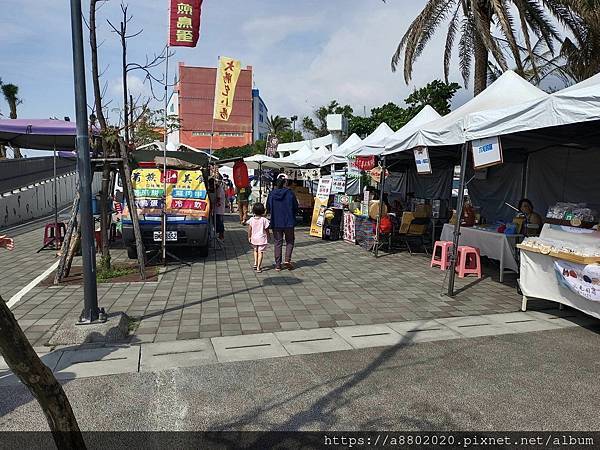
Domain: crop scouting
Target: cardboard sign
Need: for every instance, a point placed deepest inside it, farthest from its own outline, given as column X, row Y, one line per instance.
column 422, row 160
column 487, row 152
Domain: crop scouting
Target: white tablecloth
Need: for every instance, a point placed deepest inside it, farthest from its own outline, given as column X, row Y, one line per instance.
column 494, row 245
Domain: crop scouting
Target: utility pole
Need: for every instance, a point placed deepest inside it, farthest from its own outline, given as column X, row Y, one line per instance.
column 90, row 313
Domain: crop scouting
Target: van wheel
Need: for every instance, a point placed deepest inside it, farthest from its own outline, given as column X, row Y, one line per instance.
column 202, row 251
column 132, row 253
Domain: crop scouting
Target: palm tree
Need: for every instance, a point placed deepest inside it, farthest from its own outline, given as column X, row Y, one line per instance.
column 11, row 92
column 476, row 21
column 582, row 52
column 278, row 124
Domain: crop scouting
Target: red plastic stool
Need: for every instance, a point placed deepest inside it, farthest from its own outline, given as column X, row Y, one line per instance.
column 469, row 261
column 442, row 260
column 54, row 232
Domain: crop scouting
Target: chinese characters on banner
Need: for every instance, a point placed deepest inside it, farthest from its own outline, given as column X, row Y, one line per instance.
column 186, row 193
column 227, row 78
column 184, row 27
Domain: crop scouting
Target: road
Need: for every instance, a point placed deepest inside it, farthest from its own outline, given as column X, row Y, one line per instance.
column 532, row 381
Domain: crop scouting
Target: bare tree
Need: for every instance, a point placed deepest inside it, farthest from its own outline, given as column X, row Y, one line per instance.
column 39, row 379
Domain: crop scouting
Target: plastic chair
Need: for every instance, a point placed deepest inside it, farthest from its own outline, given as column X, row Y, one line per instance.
column 54, row 232
column 469, row 261
column 443, row 260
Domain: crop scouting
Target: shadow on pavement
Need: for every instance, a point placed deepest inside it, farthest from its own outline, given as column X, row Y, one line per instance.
column 322, row 414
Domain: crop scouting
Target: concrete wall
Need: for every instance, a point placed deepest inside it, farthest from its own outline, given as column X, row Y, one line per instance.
column 38, row 201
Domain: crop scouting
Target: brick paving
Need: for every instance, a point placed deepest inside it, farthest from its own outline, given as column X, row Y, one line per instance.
column 334, row 284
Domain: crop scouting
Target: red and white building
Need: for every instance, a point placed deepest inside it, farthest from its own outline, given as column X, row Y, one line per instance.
column 193, row 102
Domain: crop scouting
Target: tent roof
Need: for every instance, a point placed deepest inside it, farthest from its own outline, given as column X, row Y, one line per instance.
column 312, row 143
column 38, row 134
column 508, row 90
column 157, row 145
column 576, row 104
column 317, row 158
column 374, row 140
column 295, row 159
column 339, row 155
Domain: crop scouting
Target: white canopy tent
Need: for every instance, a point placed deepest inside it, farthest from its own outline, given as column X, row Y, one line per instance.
column 425, row 116
column 508, row 90
column 374, row 140
column 297, row 158
column 575, row 104
column 317, row 158
column 339, row 156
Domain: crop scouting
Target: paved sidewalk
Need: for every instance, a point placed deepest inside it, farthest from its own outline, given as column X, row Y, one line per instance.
column 532, row 381
column 92, row 360
column 335, row 284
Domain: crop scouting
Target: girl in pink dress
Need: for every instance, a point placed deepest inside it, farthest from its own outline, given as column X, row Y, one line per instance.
column 258, row 234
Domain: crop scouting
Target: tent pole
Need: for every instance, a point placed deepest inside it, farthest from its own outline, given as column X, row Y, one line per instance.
column 260, row 181
column 56, row 243
column 381, row 191
column 459, row 208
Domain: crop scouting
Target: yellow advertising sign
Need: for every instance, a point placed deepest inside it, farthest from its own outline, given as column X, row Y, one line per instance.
column 227, row 77
column 316, row 225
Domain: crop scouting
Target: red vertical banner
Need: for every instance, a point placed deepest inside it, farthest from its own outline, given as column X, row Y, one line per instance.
column 184, row 24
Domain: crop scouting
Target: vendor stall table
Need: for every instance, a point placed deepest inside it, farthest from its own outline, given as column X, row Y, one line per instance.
column 492, row 244
column 562, row 277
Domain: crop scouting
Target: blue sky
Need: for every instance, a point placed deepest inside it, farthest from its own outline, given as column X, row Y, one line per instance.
column 304, row 53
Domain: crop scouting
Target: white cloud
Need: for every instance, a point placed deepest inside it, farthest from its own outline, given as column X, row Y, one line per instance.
column 352, row 66
column 265, row 32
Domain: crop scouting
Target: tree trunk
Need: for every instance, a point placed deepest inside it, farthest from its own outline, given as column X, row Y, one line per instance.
column 95, row 70
column 13, row 115
column 105, row 217
column 39, row 379
column 481, row 57
column 73, row 248
column 125, row 88
column 71, row 230
column 105, row 261
column 130, row 199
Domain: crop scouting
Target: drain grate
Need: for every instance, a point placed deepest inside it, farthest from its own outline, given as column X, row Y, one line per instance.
column 311, row 340
column 520, row 321
column 97, row 360
column 474, row 325
column 370, row 335
column 247, row 346
column 423, row 329
column 178, row 353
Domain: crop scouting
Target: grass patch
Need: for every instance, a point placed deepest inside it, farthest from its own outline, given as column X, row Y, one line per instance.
column 115, row 271
column 133, row 324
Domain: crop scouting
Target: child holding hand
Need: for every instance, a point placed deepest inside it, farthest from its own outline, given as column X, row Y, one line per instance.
column 258, row 234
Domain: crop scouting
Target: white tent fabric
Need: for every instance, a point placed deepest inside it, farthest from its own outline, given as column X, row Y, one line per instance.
column 316, row 158
column 575, row 104
column 294, row 147
column 374, row 140
column 508, row 90
column 267, row 162
column 425, row 116
column 297, row 158
column 339, row 156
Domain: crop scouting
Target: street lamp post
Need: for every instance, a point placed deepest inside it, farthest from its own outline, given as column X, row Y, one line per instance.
column 294, row 119
column 91, row 312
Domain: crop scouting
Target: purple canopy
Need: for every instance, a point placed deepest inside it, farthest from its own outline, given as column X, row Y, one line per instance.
column 38, row 134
